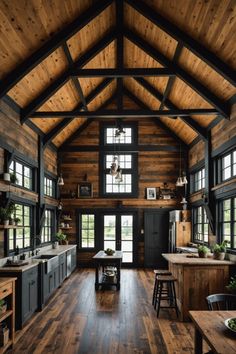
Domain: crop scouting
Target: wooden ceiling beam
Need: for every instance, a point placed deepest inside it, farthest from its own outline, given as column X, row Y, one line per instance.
column 187, row 119
column 84, row 125
column 55, row 86
column 209, row 96
column 122, row 72
column 75, row 81
column 120, row 50
column 143, row 105
column 51, row 45
column 62, row 125
column 125, row 113
column 194, row 46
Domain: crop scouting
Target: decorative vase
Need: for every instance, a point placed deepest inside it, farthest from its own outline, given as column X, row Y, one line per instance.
column 219, row 256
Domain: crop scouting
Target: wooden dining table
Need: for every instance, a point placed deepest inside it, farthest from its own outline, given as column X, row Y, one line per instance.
column 209, row 325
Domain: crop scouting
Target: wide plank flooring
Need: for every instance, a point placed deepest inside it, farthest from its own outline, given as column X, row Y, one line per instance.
column 78, row 319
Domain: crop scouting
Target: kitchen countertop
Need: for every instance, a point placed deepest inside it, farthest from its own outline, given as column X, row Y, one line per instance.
column 183, row 259
column 33, row 262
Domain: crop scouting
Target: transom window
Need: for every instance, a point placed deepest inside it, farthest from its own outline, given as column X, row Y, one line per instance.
column 199, row 180
column 48, row 227
column 49, row 187
column 228, row 221
column 200, row 225
column 87, row 230
column 21, row 237
column 228, row 165
column 118, row 148
column 23, row 174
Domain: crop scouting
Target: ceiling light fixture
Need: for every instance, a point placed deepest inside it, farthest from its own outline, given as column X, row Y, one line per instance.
column 60, row 180
column 182, row 179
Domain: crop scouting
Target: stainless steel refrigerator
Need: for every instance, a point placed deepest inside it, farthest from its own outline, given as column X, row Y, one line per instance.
column 174, row 217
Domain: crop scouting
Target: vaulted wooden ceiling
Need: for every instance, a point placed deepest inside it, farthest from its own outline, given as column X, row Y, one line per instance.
column 182, row 53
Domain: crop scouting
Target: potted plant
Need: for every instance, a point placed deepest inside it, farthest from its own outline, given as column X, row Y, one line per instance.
column 13, row 178
column 61, row 238
column 203, row 251
column 16, row 220
column 232, row 285
column 219, row 250
column 4, row 216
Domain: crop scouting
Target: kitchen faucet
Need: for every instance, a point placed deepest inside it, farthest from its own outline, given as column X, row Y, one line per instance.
column 34, row 245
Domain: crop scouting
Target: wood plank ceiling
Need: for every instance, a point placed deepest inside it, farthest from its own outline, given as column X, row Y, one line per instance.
column 43, row 44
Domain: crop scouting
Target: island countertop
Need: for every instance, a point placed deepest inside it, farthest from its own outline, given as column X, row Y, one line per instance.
column 184, row 259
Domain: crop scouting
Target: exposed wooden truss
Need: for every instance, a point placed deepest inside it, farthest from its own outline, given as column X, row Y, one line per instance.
column 75, row 70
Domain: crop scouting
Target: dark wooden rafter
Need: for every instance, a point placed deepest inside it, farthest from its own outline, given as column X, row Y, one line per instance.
column 59, row 82
column 62, row 125
column 85, row 124
column 143, row 105
column 188, row 120
column 122, row 72
column 222, row 107
column 120, row 50
column 125, row 112
column 52, row 44
column 171, row 80
column 197, row 48
column 74, row 80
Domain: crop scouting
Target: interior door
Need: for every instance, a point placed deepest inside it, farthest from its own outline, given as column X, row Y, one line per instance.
column 118, row 233
column 156, row 227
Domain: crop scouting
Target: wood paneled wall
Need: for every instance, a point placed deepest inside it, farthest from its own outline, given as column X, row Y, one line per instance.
column 154, row 168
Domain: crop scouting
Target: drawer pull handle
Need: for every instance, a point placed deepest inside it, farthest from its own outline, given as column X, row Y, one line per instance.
column 4, row 290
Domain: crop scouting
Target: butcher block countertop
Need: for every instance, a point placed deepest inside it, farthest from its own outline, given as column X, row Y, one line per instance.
column 184, row 259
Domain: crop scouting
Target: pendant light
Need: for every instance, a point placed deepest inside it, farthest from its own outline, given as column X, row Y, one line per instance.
column 60, row 180
column 182, row 179
column 115, row 169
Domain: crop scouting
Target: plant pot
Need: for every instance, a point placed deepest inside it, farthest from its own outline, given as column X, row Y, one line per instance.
column 7, row 177
column 6, row 222
column 219, row 255
column 3, row 309
column 202, row 255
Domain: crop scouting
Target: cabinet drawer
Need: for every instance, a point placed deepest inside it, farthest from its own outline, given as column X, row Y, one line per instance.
column 62, row 257
column 5, row 290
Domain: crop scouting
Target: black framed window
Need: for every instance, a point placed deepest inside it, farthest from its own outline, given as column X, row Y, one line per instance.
column 200, row 225
column 20, row 237
column 87, row 230
column 227, row 166
column 48, row 227
column 23, row 173
column 228, row 221
column 199, row 180
column 121, row 149
column 49, row 187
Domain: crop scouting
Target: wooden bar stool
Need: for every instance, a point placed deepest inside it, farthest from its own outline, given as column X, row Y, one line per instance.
column 158, row 272
column 169, row 295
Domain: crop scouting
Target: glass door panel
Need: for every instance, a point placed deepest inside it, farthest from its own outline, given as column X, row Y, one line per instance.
column 127, row 238
column 110, row 231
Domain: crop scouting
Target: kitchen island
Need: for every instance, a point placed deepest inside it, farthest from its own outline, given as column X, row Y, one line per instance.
column 196, row 279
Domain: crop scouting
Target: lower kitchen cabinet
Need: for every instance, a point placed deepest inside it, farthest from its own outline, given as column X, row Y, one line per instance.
column 62, row 267
column 50, row 283
column 29, row 293
column 73, row 259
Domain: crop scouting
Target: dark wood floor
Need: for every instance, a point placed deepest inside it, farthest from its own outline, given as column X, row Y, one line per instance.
column 80, row 320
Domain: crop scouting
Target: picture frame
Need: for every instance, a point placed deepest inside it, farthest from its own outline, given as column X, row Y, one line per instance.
column 151, row 193
column 85, row 190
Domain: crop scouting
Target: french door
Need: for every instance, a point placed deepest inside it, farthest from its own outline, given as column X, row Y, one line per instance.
column 118, row 234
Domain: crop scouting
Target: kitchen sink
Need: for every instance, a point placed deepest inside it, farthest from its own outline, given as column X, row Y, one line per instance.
column 51, row 261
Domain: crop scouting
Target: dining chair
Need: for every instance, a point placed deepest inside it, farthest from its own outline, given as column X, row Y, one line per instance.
column 221, row 302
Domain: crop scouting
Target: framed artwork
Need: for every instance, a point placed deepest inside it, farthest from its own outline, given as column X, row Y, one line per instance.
column 151, row 193
column 85, row 190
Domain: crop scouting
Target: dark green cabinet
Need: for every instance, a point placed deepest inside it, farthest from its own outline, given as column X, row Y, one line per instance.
column 73, row 259
column 50, row 283
column 62, row 267
column 29, row 293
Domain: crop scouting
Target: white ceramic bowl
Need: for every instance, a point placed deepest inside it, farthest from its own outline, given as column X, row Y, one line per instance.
column 227, row 324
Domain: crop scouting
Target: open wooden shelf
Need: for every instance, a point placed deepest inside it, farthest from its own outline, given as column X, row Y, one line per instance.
column 5, row 315
column 65, row 228
column 11, row 227
column 3, row 349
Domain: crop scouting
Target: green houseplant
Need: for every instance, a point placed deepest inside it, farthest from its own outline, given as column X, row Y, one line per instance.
column 232, row 285
column 219, row 250
column 3, row 306
column 61, row 237
column 203, row 251
column 13, row 178
column 4, row 216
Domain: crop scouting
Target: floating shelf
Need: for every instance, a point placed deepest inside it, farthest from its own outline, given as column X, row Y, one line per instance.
column 66, row 219
column 11, row 227
column 65, row 228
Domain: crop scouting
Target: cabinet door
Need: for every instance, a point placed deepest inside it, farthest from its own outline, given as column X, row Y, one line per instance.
column 73, row 259
column 29, row 293
column 156, row 228
column 62, row 265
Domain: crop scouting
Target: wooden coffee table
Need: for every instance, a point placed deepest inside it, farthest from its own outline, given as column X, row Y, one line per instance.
column 102, row 260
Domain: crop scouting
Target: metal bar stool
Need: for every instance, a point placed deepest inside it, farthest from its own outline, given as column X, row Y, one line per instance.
column 169, row 296
column 158, row 272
